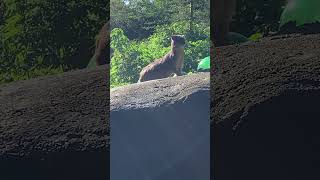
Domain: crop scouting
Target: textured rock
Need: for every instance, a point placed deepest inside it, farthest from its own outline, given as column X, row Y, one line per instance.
column 58, row 125
column 160, row 129
column 264, row 105
column 265, row 109
column 156, row 93
column 255, row 72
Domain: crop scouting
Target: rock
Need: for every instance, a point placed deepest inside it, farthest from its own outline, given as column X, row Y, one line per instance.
column 160, row 129
column 56, row 127
column 265, row 109
column 264, row 115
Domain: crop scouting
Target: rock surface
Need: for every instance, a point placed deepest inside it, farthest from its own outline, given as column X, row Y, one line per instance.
column 160, row 129
column 255, row 72
column 58, row 126
column 265, row 101
column 157, row 93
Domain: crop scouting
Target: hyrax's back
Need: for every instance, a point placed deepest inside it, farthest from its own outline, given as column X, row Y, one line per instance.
column 159, row 69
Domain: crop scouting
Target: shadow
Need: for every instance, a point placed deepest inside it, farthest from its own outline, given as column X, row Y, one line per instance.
column 279, row 139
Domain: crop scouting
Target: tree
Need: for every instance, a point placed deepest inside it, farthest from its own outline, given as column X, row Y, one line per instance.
column 257, row 16
column 2, row 10
column 139, row 18
column 40, row 34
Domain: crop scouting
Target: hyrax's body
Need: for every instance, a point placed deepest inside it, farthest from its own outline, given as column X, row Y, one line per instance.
column 171, row 63
column 102, row 50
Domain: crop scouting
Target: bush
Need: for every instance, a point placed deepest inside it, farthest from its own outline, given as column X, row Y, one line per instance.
column 48, row 35
column 301, row 12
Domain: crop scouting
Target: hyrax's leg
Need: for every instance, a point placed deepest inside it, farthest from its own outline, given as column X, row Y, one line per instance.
column 141, row 77
column 222, row 15
column 179, row 72
column 179, row 66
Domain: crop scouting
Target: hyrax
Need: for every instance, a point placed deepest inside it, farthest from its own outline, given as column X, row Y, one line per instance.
column 168, row 65
column 102, row 50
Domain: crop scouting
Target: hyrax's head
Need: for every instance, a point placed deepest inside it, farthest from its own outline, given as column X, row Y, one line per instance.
column 178, row 41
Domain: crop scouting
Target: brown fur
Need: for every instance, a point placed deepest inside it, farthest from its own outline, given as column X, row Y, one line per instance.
column 171, row 63
column 102, row 50
column 223, row 10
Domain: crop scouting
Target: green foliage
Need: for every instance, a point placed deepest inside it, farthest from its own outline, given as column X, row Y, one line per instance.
column 256, row 36
column 17, row 74
column 257, row 16
column 130, row 56
column 2, row 10
column 142, row 30
column 51, row 35
column 301, row 12
column 139, row 19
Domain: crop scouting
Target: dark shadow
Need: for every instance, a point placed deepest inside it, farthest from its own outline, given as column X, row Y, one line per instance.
column 280, row 139
column 308, row 28
column 169, row 142
column 57, row 166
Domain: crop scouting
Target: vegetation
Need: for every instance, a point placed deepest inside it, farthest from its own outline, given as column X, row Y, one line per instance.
column 302, row 12
column 40, row 37
column 257, row 16
column 138, row 44
column 141, row 29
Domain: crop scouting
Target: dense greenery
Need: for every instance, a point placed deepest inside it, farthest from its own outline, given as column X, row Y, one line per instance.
column 139, row 18
column 141, row 29
column 253, row 16
column 137, row 45
column 41, row 37
column 302, row 12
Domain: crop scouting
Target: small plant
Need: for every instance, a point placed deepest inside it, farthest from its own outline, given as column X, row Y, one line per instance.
column 256, row 36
